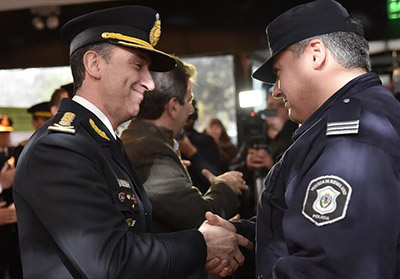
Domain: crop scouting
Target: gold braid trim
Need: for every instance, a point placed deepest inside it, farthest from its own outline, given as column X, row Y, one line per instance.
column 97, row 130
column 123, row 39
column 43, row 114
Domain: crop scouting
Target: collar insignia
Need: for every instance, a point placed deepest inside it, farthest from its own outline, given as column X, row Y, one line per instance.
column 97, row 130
column 155, row 32
column 65, row 124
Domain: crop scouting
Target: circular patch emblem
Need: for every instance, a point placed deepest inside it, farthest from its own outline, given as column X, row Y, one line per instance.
column 121, row 196
column 326, row 200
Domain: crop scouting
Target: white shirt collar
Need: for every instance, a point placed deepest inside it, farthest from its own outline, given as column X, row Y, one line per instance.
column 88, row 105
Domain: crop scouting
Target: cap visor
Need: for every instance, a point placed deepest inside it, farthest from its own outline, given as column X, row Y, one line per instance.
column 265, row 73
column 160, row 61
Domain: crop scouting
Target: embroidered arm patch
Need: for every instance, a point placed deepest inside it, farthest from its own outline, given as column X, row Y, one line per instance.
column 326, row 200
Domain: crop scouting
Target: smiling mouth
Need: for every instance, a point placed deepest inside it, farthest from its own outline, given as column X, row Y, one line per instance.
column 136, row 91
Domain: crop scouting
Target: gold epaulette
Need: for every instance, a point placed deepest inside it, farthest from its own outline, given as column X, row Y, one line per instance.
column 65, row 124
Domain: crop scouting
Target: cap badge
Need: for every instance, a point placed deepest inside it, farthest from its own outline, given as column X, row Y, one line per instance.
column 97, row 130
column 65, row 124
column 155, row 32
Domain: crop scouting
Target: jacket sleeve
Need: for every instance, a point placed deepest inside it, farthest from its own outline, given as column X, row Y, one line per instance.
column 178, row 203
column 362, row 241
column 64, row 185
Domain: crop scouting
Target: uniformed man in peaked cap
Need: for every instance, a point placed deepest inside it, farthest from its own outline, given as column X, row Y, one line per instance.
column 330, row 205
column 40, row 114
column 82, row 212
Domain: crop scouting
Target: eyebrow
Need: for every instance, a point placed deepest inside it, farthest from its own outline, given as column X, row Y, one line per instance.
column 142, row 55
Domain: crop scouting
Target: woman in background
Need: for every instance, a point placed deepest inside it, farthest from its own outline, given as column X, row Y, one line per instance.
column 227, row 150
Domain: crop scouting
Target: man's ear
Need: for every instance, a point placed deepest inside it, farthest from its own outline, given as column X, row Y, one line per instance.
column 91, row 61
column 172, row 107
column 319, row 53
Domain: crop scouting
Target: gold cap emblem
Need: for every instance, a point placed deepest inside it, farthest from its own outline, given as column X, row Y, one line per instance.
column 155, row 32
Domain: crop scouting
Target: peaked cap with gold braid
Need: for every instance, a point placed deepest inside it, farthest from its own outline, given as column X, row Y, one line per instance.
column 129, row 26
column 40, row 110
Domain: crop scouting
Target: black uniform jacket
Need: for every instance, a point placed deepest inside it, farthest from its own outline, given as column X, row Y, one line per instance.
column 81, row 213
column 331, row 204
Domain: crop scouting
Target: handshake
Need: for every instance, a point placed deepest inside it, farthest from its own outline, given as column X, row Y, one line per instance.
column 223, row 254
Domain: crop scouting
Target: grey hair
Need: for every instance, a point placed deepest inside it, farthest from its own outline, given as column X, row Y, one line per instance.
column 349, row 49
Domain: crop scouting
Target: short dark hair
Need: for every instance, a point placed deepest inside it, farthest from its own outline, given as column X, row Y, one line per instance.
column 76, row 60
column 55, row 99
column 168, row 85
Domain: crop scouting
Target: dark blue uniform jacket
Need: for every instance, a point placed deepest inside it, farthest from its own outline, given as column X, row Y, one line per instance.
column 81, row 213
column 331, row 206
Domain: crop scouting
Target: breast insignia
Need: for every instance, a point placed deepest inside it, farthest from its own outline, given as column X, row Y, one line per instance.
column 121, row 197
column 123, row 183
column 97, row 130
column 65, row 124
column 130, row 222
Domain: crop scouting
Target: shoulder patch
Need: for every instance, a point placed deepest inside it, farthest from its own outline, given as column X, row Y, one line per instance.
column 98, row 130
column 326, row 200
column 65, row 124
column 344, row 117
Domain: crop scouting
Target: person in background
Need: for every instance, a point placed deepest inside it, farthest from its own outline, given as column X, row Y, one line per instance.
column 255, row 160
column 10, row 262
column 227, row 150
column 154, row 155
column 201, row 150
column 69, row 87
column 56, row 98
column 82, row 212
column 40, row 114
column 330, row 205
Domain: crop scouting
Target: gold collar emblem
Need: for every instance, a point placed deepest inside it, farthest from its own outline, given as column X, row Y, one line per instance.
column 97, row 130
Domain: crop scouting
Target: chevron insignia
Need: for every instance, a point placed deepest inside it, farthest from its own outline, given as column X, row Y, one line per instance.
column 343, row 128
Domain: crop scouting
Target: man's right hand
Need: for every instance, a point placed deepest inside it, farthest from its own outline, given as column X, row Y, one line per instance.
column 8, row 215
column 233, row 178
column 222, row 245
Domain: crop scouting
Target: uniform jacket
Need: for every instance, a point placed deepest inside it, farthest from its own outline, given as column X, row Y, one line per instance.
column 177, row 204
column 82, row 212
column 330, row 208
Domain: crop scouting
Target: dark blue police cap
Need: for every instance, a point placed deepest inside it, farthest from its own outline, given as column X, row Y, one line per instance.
column 40, row 110
column 132, row 26
column 302, row 22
